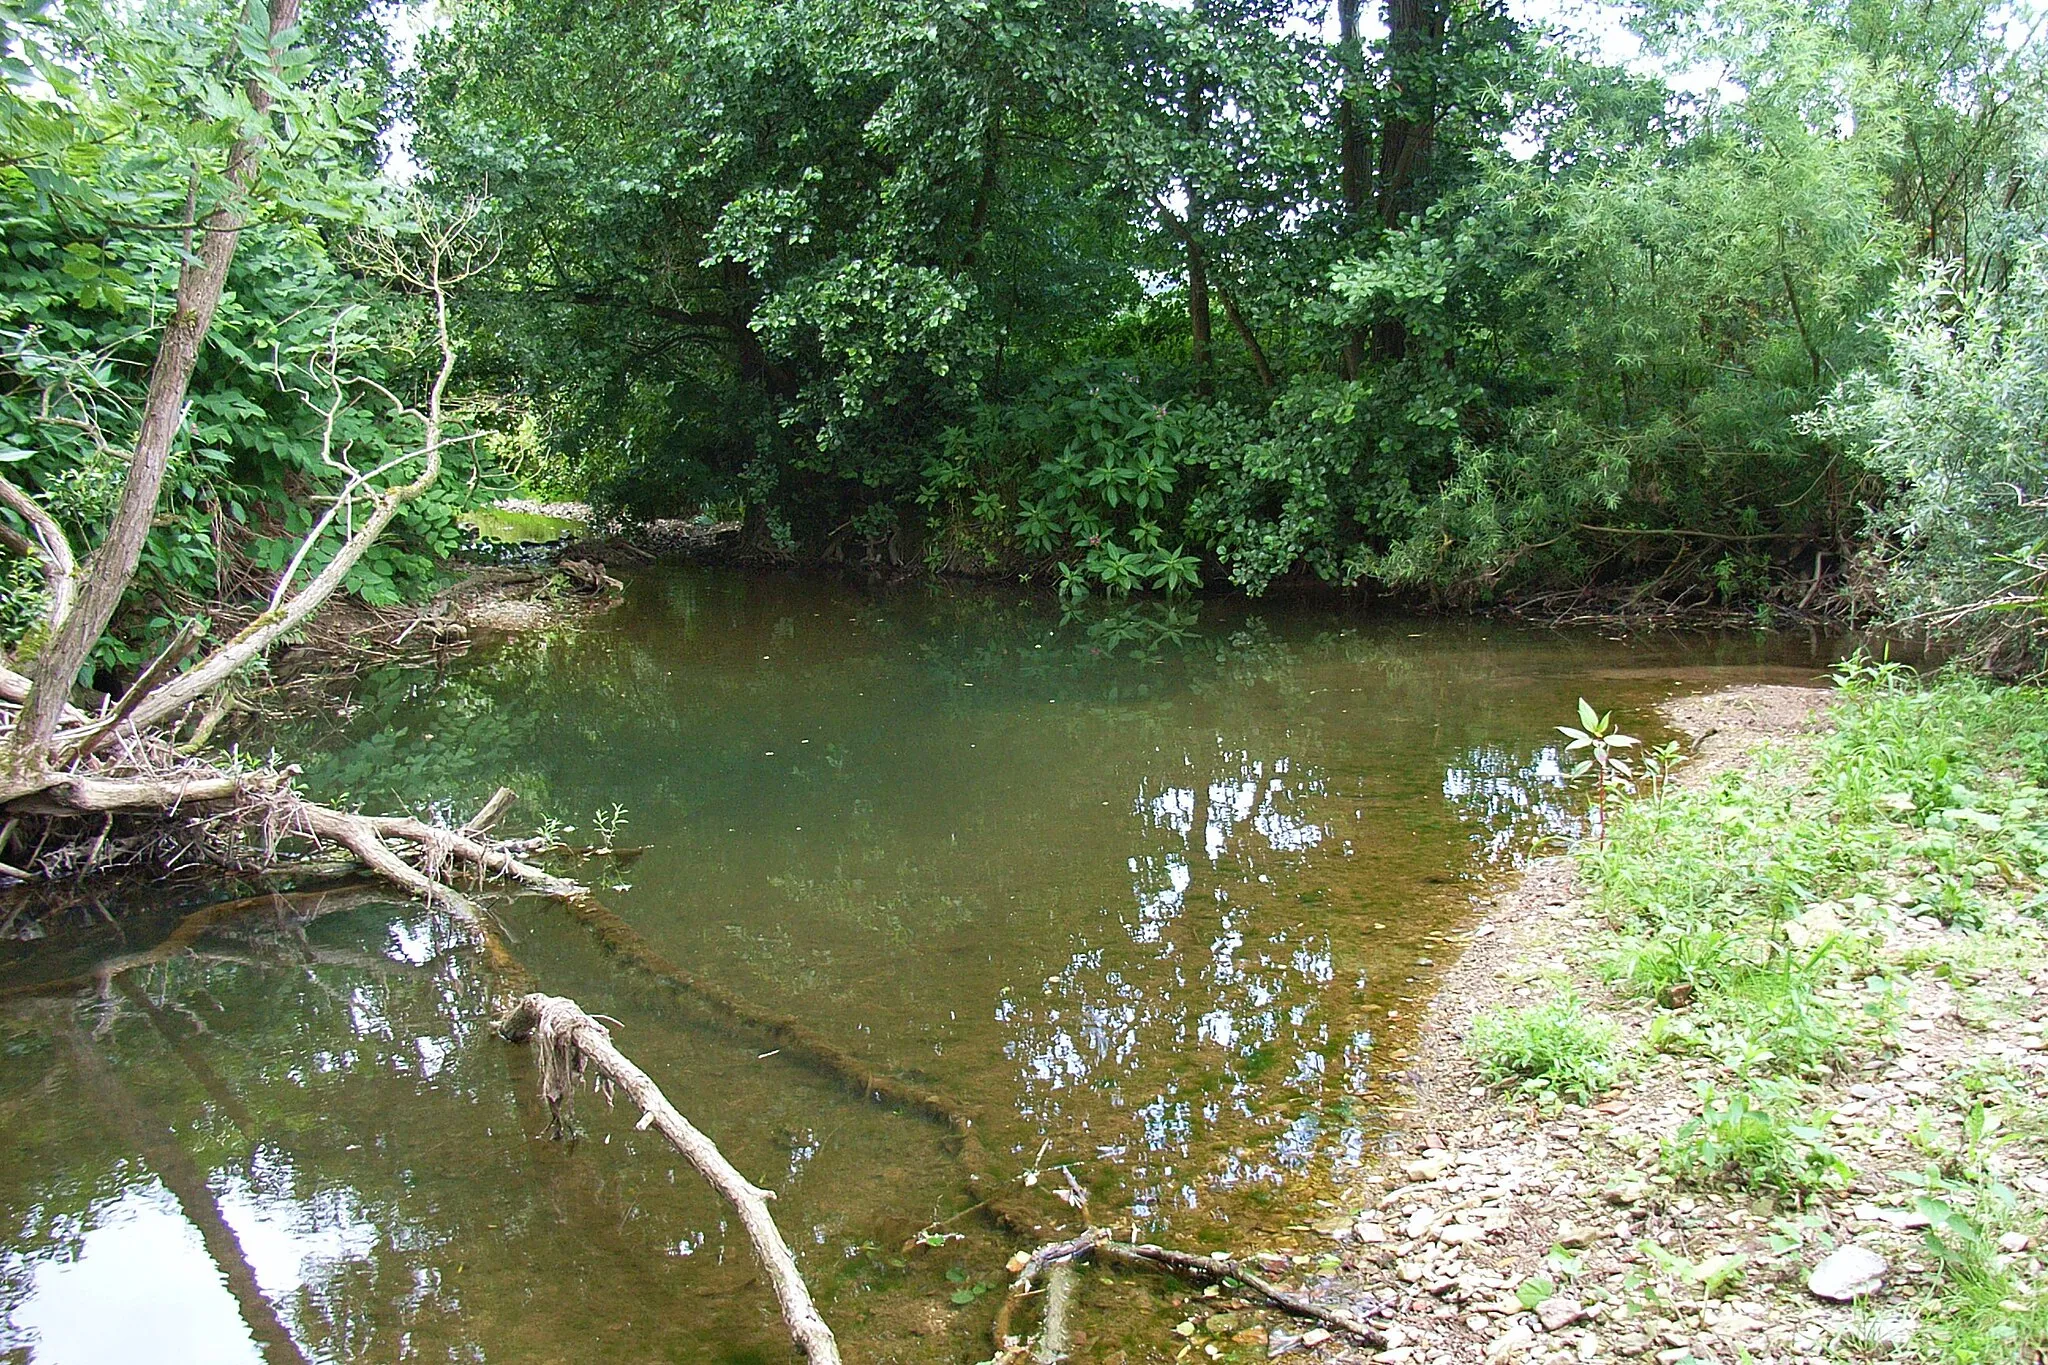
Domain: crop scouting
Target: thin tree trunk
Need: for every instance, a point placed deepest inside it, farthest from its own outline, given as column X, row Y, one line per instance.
column 1352, row 170
column 985, row 191
column 110, row 568
column 1249, row 337
column 1199, row 323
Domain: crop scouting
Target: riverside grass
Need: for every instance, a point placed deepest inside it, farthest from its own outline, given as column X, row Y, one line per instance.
column 1776, row 920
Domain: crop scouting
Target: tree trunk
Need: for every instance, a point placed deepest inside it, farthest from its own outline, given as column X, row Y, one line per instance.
column 1199, row 323
column 1352, row 169
column 110, row 568
column 1415, row 40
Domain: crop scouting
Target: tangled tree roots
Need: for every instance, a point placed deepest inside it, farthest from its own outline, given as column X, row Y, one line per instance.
column 131, row 797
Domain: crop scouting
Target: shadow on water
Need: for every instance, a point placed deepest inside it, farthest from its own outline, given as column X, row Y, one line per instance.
column 1155, row 889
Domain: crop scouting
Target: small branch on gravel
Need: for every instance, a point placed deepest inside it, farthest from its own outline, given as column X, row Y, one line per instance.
column 570, row 1043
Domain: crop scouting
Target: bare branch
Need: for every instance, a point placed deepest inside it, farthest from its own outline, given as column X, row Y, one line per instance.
column 60, row 570
column 448, row 240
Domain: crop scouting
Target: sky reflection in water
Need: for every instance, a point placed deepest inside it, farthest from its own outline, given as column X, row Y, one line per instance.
column 1156, row 891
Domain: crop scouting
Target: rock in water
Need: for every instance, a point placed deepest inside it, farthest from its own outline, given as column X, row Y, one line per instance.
column 1848, row 1274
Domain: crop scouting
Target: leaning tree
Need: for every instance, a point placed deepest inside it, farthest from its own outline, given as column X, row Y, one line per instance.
column 140, row 757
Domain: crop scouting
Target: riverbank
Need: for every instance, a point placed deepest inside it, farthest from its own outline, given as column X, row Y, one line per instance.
column 1786, row 1017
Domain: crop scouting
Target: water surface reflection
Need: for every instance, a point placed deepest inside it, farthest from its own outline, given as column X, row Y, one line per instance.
column 1156, row 891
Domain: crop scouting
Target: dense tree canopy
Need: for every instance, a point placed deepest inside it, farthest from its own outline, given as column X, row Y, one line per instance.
column 1113, row 295
column 1172, row 294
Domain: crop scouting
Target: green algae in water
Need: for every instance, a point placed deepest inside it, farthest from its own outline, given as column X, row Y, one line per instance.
column 507, row 527
column 1141, row 886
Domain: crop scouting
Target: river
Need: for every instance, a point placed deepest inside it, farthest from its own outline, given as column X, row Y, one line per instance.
column 1157, row 890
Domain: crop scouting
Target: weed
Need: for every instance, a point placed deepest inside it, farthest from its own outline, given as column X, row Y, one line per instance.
column 1555, row 1047
column 1746, row 1141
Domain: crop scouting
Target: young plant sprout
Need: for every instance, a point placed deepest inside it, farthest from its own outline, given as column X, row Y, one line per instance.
column 1596, row 737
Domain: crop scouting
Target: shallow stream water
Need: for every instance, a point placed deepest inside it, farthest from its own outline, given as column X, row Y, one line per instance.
column 1156, row 891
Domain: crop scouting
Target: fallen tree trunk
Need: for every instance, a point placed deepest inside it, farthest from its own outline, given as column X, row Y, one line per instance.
column 571, row 1043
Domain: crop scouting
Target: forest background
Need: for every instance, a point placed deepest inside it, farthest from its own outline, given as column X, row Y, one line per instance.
column 1112, row 296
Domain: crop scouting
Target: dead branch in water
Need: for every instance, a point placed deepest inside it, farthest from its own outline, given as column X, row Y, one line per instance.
column 1101, row 1243
column 1001, row 1195
column 571, row 1044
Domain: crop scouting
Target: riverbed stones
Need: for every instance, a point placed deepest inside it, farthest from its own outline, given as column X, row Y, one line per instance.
column 1849, row 1273
column 1557, row 1313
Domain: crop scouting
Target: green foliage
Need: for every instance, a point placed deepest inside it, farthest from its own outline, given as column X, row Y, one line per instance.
column 1555, row 1047
column 1739, row 904
column 112, row 156
column 1748, row 1140
column 1960, row 425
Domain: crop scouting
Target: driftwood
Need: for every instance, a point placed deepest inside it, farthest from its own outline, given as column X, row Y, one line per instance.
column 1101, row 1243
column 571, row 1044
column 588, row 577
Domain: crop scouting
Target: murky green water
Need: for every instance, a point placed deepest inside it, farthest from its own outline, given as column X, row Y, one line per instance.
column 1154, row 891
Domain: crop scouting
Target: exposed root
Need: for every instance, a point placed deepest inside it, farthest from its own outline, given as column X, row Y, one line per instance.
column 571, row 1044
column 187, row 809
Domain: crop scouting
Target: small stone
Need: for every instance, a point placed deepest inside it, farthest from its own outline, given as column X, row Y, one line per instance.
column 1460, row 1234
column 1556, row 1314
column 1576, row 1234
column 2015, row 1242
column 1420, row 1222
column 1848, row 1274
column 1369, row 1233
column 1629, row 1192
column 1220, row 1324
column 1315, row 1337
column 1429, row 1168
column 1517, row 1338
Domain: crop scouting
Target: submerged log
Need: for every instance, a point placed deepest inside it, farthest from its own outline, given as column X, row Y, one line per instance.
column 570, row 1044
column 1001, row 1195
